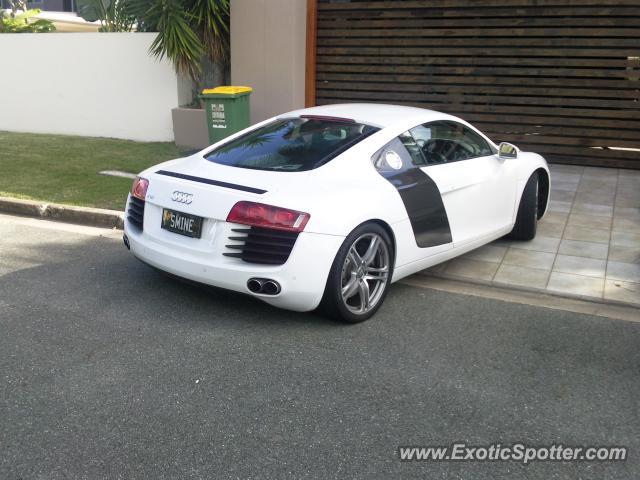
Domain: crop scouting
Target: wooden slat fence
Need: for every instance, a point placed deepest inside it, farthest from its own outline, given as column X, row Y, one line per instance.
column 559, row 77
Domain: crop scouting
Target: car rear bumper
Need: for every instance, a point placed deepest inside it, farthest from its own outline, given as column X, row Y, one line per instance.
column 302, row 277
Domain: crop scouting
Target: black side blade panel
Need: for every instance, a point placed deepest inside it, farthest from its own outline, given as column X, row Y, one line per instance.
column 423, row 202
column 421, row 198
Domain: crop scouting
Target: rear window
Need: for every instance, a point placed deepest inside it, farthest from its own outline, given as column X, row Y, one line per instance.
column 291, row 144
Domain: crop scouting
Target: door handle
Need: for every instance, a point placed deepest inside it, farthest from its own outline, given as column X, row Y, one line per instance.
column 451, row 187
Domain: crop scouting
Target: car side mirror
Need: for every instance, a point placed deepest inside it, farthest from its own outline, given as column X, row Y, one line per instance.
column 507, row 150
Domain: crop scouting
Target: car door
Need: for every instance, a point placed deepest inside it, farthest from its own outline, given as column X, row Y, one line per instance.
column 478, row 188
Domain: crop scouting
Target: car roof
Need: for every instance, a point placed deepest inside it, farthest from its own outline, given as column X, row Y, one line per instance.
column 380, row 115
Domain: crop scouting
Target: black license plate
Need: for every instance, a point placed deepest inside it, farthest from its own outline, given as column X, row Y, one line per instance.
column 182, row 223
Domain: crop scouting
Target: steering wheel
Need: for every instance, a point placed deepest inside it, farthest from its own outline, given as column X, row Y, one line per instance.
column 469, row 149
column 433, row 156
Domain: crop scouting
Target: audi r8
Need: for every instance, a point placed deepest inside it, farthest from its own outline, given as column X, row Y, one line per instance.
column 327, row 206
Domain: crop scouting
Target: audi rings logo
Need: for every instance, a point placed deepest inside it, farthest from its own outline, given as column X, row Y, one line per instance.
column 182, row 197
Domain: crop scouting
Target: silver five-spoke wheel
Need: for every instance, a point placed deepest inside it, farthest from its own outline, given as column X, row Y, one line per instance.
column 364, row 273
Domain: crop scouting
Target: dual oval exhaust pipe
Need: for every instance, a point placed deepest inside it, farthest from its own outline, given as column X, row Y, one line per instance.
column 264, row 286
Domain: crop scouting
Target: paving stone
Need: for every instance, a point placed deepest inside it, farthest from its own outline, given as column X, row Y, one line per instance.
column 628, row 292
column 586, row 234
column 557, row 206
column 624, row 224
column 627, row 212
column 529, row 258
column 547, row 229
column 539, row 244
column 521, row 276
column 592, row 209
column 628, row 272
column 591, row 221
column 488, row 253
column 590, row 267
column 627, row 201
column 618, row 253
column 625, row 239
column 569, row 186
column 468, row 268
column 576, row 284
column 595, row 198
column 563, row 196
column 555, row 217
column 584, row 249
column 560, row 169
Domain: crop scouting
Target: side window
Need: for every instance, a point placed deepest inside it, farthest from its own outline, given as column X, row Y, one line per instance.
column 411, row 144
column 446, row 142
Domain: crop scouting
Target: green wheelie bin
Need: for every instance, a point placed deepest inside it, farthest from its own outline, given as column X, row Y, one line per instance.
column 227, row 110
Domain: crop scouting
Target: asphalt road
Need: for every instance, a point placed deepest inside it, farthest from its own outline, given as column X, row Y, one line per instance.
column 110, row 370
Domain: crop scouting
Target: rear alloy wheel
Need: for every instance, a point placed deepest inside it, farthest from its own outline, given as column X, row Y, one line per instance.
column 360, row 274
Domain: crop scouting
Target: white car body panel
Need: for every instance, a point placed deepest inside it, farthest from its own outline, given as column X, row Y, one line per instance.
column 480, row 196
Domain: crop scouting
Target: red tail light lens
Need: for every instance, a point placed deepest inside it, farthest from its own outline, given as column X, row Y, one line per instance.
column 139, row 188
column 268, row 216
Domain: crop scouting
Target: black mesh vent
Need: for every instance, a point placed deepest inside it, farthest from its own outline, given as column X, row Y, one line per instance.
column 135, row 213
column 262, row 245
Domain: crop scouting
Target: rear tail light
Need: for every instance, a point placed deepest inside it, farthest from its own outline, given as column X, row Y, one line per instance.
column 139, row 188
column 268, row 216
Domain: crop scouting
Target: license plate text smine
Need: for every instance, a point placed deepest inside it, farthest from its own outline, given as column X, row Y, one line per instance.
column 182, row 223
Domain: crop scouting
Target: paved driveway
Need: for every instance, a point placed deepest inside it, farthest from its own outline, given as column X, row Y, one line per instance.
column 588, row 244
column 109, row 370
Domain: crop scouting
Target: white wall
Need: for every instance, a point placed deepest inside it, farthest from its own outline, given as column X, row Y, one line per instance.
column 268, row 43
column 90, row 84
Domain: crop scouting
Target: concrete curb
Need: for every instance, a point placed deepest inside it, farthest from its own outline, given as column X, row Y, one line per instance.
column 533, row 290
column 525, row 297
column 93, row 217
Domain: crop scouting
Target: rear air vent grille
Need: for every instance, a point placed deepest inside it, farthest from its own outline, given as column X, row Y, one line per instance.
column 261, row 245
column 135, row 212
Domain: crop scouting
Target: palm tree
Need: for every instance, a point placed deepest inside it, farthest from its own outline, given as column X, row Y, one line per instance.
column 190, row 32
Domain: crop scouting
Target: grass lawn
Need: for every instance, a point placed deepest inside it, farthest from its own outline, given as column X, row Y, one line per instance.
column 64, row 169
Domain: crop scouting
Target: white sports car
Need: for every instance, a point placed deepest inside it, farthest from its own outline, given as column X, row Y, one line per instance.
column 327, row 206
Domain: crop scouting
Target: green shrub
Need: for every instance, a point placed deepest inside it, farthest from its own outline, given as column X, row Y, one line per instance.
column 12, row 22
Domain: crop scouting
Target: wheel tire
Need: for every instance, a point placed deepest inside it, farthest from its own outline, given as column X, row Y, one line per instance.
column 527, row 218
column 333, row 304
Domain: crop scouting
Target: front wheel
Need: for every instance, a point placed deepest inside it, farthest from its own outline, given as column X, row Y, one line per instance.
column 527, row 217
column 360, row 274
